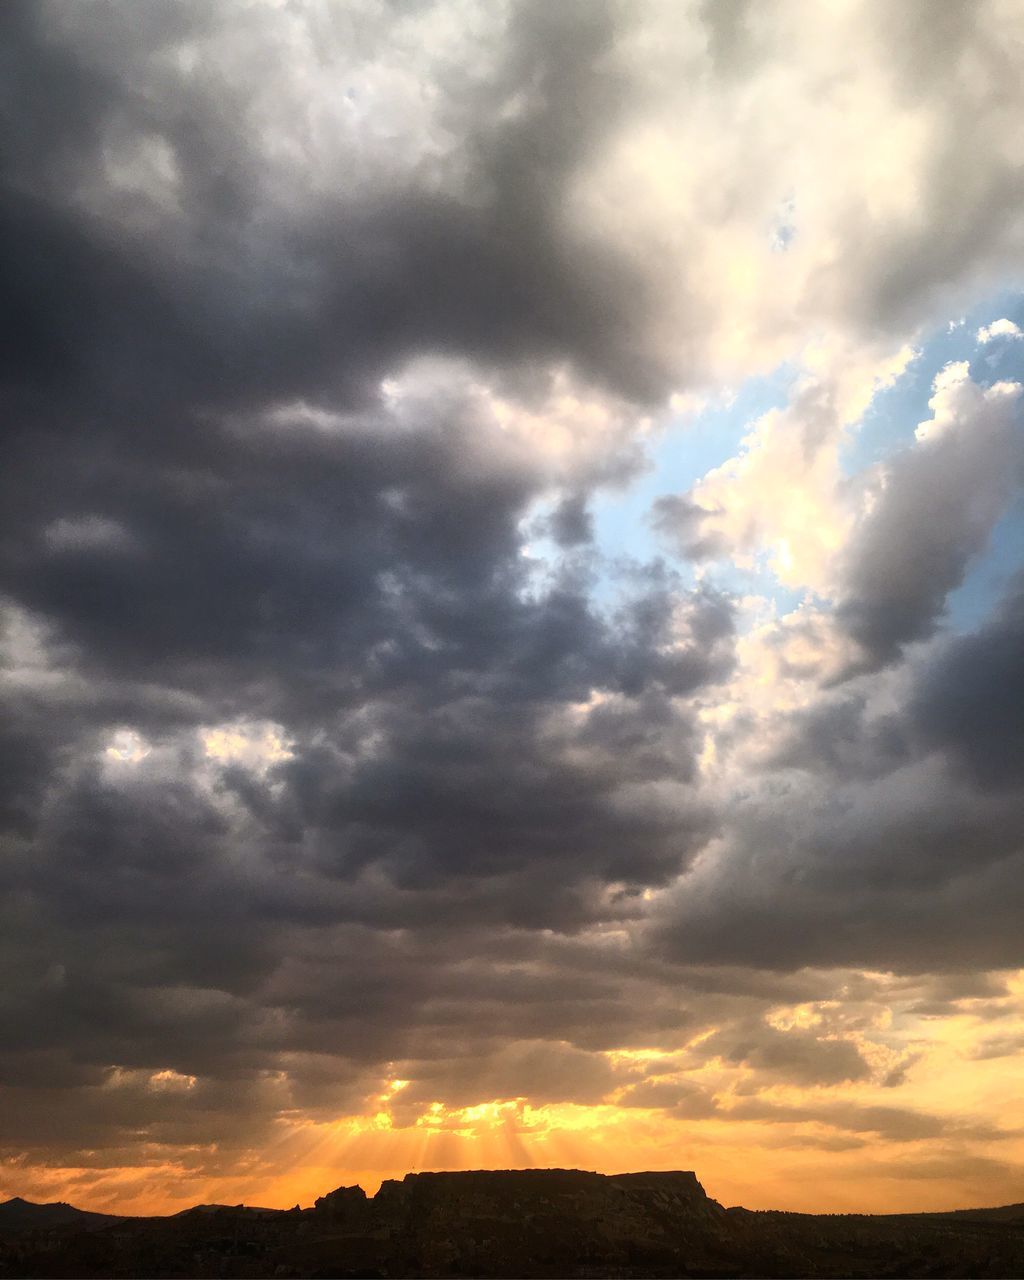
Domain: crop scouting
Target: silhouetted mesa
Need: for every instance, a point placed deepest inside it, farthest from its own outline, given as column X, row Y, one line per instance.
column 534, row 1222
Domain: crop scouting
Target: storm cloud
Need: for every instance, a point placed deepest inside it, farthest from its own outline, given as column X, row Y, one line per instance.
column 337, row 744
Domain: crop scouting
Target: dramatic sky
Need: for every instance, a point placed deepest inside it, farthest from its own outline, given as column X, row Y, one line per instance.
column 512, row 582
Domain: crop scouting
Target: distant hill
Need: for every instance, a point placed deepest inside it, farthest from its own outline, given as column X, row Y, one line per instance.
column 521, row 1222
column 1005, row 1213
column 225, row 1208
column 19, row 1214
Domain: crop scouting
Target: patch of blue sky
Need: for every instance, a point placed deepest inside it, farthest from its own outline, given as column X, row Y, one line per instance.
column 784, row 229
column 689, row 447
column 894, row 413
column 686, row 450
column 759, row 580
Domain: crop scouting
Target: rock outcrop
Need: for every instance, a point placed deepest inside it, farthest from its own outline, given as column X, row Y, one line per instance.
column 345, row 1204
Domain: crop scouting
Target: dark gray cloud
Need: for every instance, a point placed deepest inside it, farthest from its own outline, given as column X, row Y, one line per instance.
column 291, row 331
column 886, row 837
column 929, row 880
column 836, row 735
column 890, row 1124
column 678, row 519
column 799, row 1056
column 239, row 290
column 964, row 703
column 571, row 523
column 933, row 514
column 214, row 513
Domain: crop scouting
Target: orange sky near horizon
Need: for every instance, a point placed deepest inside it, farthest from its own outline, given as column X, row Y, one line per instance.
column 945, row 1137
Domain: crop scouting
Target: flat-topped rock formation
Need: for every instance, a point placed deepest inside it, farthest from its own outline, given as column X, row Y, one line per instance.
column 523, row 1222
column 546, row 1220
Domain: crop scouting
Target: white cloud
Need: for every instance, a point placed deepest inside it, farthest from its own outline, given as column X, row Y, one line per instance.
column 126, row 747
column 256, row 745
column 999, row 329
column 893, row 169
column 782, row 496
column 890, row 176
column 957, row 400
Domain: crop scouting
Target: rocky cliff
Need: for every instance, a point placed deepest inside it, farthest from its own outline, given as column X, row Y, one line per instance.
column 532, row 1220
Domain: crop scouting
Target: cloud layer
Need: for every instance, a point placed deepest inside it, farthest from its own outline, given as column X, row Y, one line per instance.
column 347, row 779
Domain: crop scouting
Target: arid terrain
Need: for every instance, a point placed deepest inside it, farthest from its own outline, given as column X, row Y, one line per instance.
column 544, row 1222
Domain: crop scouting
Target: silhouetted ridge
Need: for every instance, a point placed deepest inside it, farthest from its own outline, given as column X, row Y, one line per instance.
column 19, row 1213
column 515, row 1222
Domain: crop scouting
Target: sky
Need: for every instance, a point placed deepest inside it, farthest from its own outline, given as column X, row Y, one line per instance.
column 512, row 597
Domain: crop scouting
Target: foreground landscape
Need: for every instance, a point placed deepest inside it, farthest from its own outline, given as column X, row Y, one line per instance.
column 537, row 1222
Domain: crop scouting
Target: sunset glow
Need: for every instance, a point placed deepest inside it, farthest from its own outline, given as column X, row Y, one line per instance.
column 512, row 598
